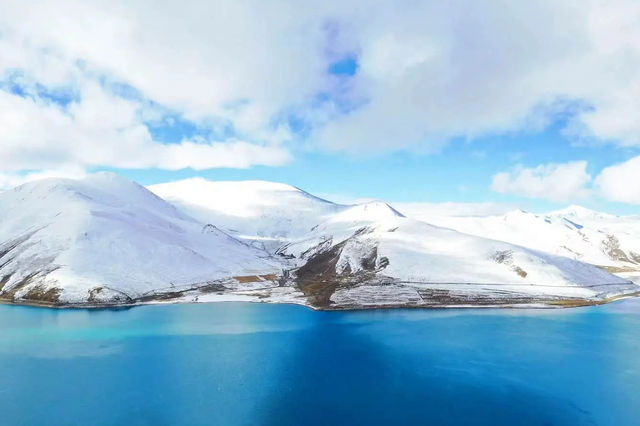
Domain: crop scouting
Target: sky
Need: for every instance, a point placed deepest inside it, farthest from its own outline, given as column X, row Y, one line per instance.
column 478, row 105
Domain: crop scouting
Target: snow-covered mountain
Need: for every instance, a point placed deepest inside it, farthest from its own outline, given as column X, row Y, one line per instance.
column 598, row 238
column 106, row 240
column 370, row 254
column 266, row 213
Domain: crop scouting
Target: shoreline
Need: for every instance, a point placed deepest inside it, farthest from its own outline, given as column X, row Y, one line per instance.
column 533, row 304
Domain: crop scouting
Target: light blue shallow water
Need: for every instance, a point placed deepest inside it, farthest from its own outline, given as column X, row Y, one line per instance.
column 236, row 363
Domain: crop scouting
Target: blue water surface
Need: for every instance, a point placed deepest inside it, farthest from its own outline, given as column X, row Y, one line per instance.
column 242, row 363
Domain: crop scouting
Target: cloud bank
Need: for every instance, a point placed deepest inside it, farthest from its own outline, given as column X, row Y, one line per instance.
column 556, row 182
column 82, row 83
column 571, row 181
column 621, row 182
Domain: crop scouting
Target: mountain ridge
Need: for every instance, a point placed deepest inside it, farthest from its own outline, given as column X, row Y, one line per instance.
column 105, row 240
column 598, row 238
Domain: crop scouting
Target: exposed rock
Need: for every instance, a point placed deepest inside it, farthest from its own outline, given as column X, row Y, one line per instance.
column 42, row 294
column 104, row 295
column 506, row 257
column 611, row 247
column 503, row 256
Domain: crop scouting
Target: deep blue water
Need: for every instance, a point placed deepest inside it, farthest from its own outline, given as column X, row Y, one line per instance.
column 237, row 363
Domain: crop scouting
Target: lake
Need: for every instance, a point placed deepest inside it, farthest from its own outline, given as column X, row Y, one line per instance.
column 243, row 363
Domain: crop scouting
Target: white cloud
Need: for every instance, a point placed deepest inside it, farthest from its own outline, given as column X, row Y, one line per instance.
column 427, row 72
column 620, row 182
column 94, row 45
column 102, row 129
column 556, row 182
column 198, row 57
column 431, row 72
column 570, row 181
column 200, row 156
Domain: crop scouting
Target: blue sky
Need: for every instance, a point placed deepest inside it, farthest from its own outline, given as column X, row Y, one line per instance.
column 407, row 102
column 459, row 172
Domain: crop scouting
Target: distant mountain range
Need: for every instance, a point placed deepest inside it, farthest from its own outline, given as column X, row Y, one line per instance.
column 609, row 241
column 105, row 241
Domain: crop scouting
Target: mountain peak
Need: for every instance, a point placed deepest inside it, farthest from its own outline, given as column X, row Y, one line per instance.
column 94, row 191
column 517, row 213
column 575, row 210
column 381, row 207
column 247, row 192
column 369, row 211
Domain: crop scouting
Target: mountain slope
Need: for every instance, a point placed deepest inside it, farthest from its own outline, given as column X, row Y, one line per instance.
column 363, row 263
column 578, row 233
column 106, row 239
column 260, row 211
column 371, row 255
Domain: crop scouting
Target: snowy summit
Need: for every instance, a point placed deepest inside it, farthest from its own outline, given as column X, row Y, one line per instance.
column 104, row 240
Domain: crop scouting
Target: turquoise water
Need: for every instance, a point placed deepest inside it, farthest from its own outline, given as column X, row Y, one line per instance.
column 237, row 363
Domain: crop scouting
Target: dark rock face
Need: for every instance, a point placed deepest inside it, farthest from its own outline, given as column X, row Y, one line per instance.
column 107, row 296
column 39, row 293
column 611, row 247
column 317, row 278
column 505, row 257
column 320, row 276
column 43, row 295
column 209, row 228
column 42, row 265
